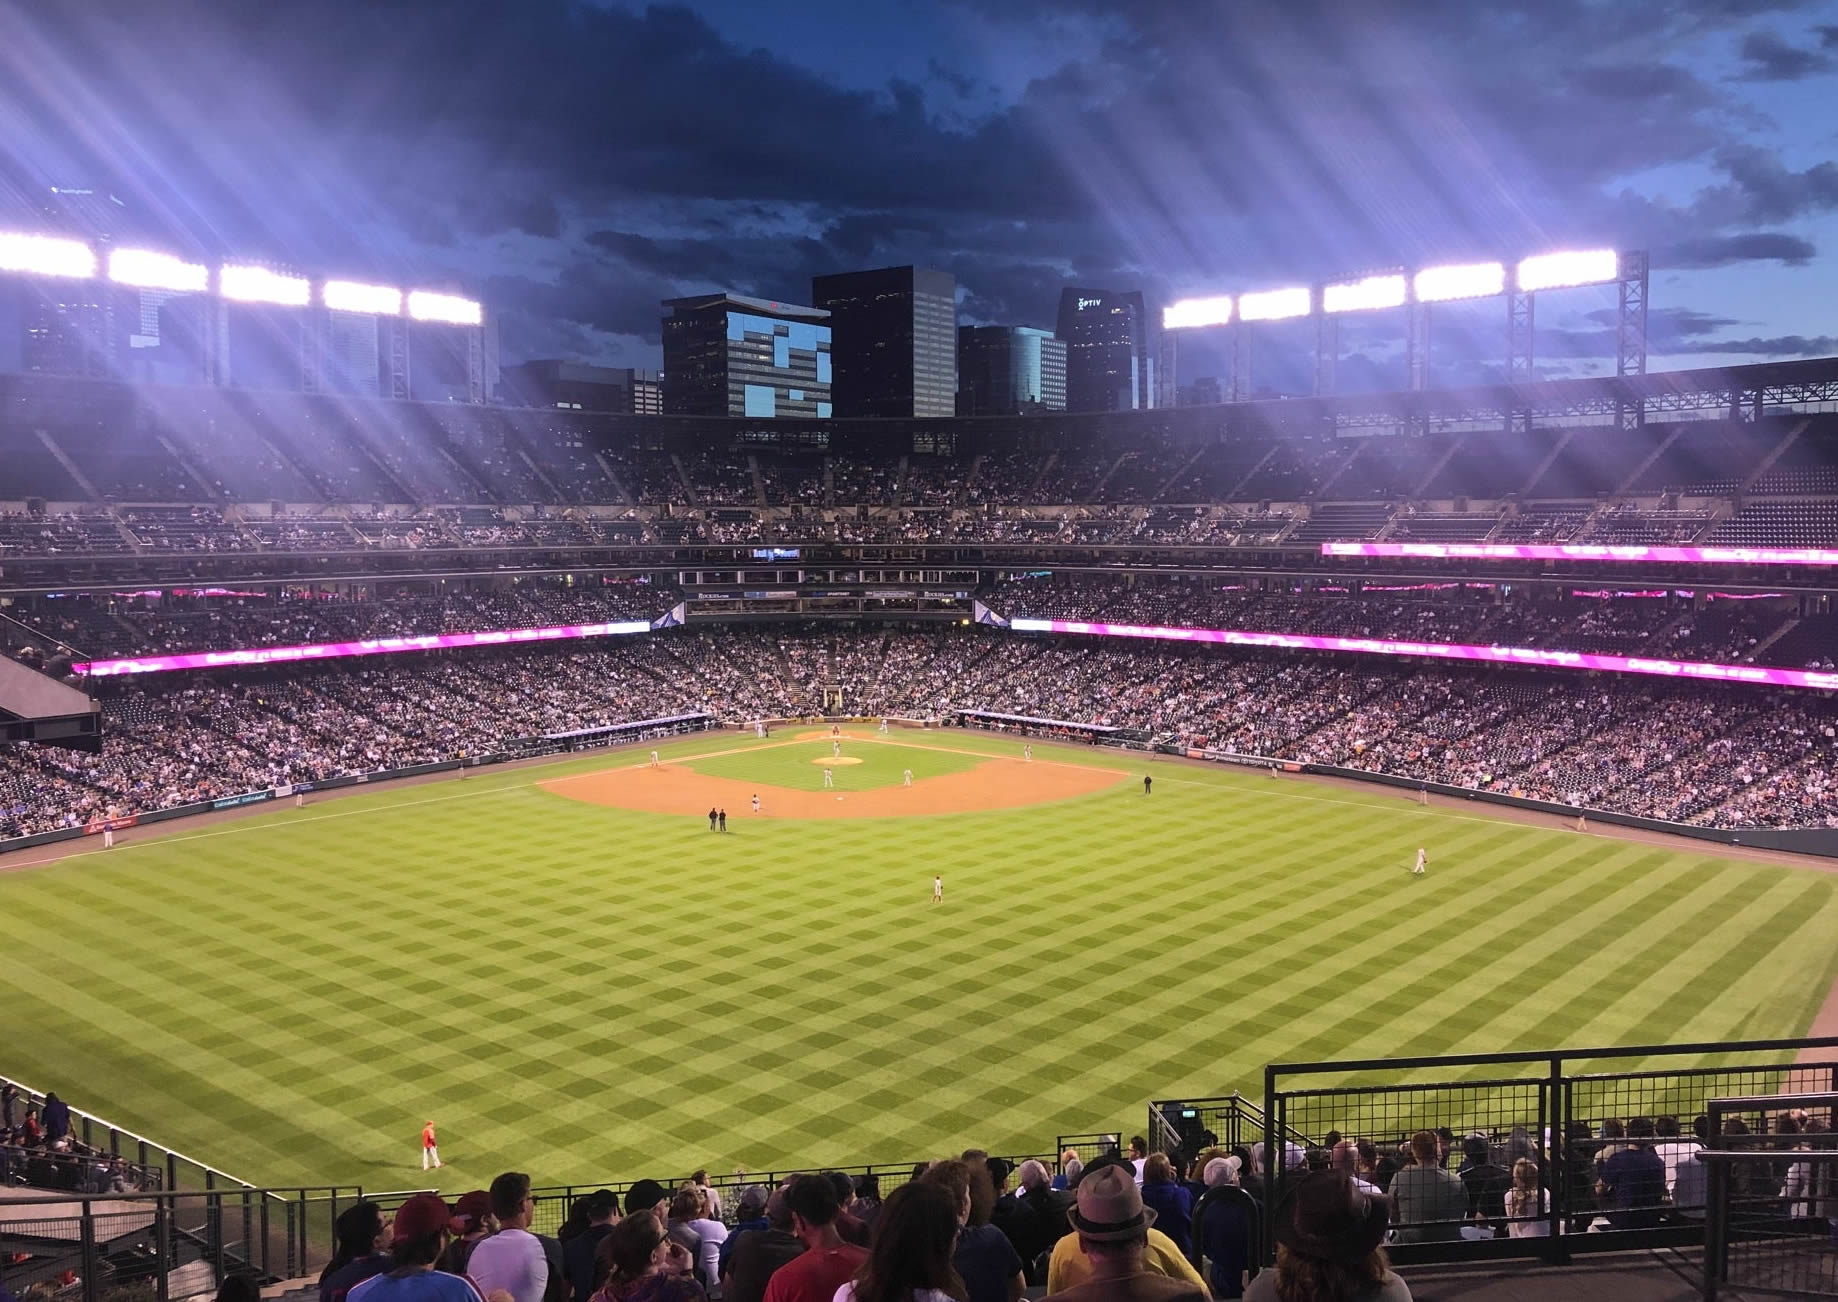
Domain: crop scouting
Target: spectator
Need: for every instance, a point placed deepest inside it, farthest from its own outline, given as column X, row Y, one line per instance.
column 692, row 1226
column 419, row 1237
column 1346, row 1157
column 1673, row 1148
column 867, row 1199
column 1111, row 1225
column 1033, row 1219
column 758, row 1254
column 1527, row 1203
column 911, row 1257
column 645, row 1265
column 600, row 1209
column 512, row 1259
column 749, row 1215
column 648, row 1196
column 1431, row 1201
column 472, row 1225
column 56, row 1119
column 1485, row 1181
column 1139, row 1155
column 827, row 1262
column 1632, row 1183
column 1225, row 1223
column 852, row 1228
column 1328, row 1237
column 1069, row 1266
column 983, row 1258
column 9, row 1105
column 1691, row 1185
column 358, row 1252
column 1069, row 1168
column 1171, row 1203
column 700, row 1180
column 239, row 1288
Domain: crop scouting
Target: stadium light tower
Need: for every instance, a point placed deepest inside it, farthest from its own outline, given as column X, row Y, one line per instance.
column 45, row 255
column 145, row 269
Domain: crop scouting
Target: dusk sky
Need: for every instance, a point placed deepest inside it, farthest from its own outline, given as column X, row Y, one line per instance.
column 572, row 164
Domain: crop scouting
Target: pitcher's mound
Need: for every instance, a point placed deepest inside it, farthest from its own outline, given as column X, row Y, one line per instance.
column 836, row 761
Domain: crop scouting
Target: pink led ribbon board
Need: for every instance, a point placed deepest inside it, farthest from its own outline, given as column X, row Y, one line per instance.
column 1503, row 655
column 272, row 655
column 1586, row 552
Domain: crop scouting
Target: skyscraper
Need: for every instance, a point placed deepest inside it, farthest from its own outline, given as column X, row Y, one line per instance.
column 895, row 340
column 1002, row 370
column 1110, row 358
column 729, row 355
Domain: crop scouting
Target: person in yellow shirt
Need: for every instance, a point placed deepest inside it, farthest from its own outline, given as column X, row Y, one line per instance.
column 1070, row 1266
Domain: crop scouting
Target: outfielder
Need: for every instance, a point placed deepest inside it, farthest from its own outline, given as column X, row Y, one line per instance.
column 1422, row 859
column 430, row 1151
column 938, row 890
column 909, row 777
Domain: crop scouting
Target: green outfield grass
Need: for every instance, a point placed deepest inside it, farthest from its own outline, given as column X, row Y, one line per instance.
column 586, row 993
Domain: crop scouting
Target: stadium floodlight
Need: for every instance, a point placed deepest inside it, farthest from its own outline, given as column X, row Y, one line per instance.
column 1275, row 304
column 1364, row 295
column 46, row 255
column 250, row 284
column 145, row 269
column 1562, row 270
column 450, row 308
column 1191, row 312
column 1467, row 280
column 351, row 296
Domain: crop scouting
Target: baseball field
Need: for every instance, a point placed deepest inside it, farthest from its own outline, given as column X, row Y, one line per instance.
column 574, row 976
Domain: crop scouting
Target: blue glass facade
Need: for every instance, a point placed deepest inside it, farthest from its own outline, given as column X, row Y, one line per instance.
column 725, row 355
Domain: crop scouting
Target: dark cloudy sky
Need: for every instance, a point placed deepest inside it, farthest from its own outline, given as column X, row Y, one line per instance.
column 573, row 163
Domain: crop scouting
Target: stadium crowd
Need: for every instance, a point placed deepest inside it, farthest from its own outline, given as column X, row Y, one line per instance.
column 1713, row 755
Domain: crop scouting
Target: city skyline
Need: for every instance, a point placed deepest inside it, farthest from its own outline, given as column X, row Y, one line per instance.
column 575, row 164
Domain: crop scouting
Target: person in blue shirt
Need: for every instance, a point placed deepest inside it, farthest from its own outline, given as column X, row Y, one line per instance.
column 420, row 1235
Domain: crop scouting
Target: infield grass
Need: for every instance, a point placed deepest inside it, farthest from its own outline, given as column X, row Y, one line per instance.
column 588, row 993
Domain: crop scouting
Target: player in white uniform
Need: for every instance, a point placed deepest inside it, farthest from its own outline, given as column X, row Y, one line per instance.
column 1422, row 859
column 654, row 760
column 938, row 890
column 756, row 804
column 1027, row 752
column 883, row 725
column 909, row 777
column 829, row 779
column 836, row 748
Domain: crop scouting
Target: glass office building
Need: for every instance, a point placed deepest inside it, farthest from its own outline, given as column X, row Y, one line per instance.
column 1004, row 370
column 895, row 340
column 1110, row 358
column 730, row 355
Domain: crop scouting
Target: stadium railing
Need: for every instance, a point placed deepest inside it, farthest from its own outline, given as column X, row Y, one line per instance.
column 1771, row 1201
column 1548, row 1106
column 181, row 1243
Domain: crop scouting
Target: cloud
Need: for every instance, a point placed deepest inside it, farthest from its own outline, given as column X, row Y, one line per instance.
column 1771, row 58
column 1707, row 251
column 585, row 160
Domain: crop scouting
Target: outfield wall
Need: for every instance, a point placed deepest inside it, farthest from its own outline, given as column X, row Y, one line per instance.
column 1819, row 841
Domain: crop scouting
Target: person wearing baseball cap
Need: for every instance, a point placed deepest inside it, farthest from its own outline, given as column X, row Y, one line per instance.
column 648, row 1196
column 472, row 1224
column 422, row 1227
column 1329, row 1243
column 1115, row 1254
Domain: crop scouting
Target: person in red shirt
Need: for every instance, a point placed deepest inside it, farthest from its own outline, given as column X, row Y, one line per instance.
column 827, row 1262
column 430, row 1150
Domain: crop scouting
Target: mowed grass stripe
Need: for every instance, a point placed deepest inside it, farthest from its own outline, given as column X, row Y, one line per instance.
column 585, row 992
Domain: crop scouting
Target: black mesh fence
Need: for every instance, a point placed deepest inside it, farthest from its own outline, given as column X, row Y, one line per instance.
column 1524, row 1154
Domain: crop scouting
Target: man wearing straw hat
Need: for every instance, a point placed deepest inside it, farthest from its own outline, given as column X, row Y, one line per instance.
column 1114, row 1254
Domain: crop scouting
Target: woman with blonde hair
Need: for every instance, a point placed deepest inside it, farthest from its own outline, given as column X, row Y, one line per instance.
column 1527, row 1203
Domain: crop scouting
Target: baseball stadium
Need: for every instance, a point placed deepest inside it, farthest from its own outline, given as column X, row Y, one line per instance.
column 406, row 794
